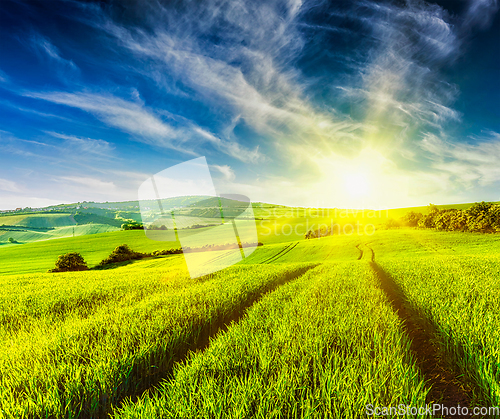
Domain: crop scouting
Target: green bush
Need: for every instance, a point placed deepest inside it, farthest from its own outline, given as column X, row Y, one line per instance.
column 412, row 218
column 133, row 225
column 122, row 253
column 70, row 262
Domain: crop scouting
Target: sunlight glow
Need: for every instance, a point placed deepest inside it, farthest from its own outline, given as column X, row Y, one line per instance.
column 367, row 180
column 357, row 185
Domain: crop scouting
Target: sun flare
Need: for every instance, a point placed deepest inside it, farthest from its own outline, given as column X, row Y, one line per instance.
column 357, row 185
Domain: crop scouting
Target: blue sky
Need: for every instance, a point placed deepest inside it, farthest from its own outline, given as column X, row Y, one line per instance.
column 318, row 103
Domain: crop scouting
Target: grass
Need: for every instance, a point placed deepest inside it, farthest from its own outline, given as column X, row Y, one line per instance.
column 25, row 235
column 324, row 346
column 79, row 342
column 327, row 248
column 305, row 341
column 459, row 297
column 38, row 220
column 41, row 256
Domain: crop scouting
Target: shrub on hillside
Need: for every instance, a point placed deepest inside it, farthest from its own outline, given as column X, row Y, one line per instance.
column 155, row 227
column 70, row 262
column 412, row 218
column 122, row 253
column 458, row 221
column 133, row 225
column 167, row 252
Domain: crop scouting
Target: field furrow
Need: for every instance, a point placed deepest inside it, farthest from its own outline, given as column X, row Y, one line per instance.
column 81, row 362
column 446, row 383
column 458, row 298
column 325, row 346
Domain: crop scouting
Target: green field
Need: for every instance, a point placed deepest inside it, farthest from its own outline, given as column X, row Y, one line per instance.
column 300, row 328
column 275, row 223
column 29, row 228
column 38, row 221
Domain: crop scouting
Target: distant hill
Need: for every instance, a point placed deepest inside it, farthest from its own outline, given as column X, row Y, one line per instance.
column 38, row 221
column 82, row 218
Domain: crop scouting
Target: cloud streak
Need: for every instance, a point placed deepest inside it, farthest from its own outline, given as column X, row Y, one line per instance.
column 145, row 126
column 46, row 50
column 256, row 84
column 80, row 145
column 9, row 186
column 470, row 164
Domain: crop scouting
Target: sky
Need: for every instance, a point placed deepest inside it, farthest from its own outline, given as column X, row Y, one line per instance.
column 346, row 104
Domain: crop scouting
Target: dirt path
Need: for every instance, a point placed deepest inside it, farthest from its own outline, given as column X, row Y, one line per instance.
column 360, row 251
column 447, row 386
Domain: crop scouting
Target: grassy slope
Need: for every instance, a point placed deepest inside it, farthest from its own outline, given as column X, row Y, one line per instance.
column 453, row 280
column 38, row 220
column 391, row 247
column 91, row 338
column 23, row 236
column 325, row 346
column 41, row 256
column 276, row 224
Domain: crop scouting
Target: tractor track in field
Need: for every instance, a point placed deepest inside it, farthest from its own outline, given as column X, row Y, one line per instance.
column 329, row 254
column 360, row 252
column 198, row 342
column 447, row 387
column 281, row 253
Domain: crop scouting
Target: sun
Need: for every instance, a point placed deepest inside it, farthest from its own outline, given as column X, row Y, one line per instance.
column 357, row 184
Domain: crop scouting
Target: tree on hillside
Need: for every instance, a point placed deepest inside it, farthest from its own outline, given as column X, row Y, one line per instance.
column 70, row 262
column 412, row 218
column 479, row 208
column 481, row 217
column 433, row 209
column 494, row 217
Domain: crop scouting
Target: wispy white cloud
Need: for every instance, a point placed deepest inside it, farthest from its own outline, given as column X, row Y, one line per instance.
column 144, row 124
column 256, row 83
column 480, row 13
column 31, row 111
column 3, row 77
column 401, row 80
column 129, row 116
column 71, row 152
column 232, row 148
column 468, row 164
column 226, row 171
column 46, row 49
column 9, row 186
column 81, row 145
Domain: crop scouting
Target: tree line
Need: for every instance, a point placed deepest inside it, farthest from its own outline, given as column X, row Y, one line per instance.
column 483, row 217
